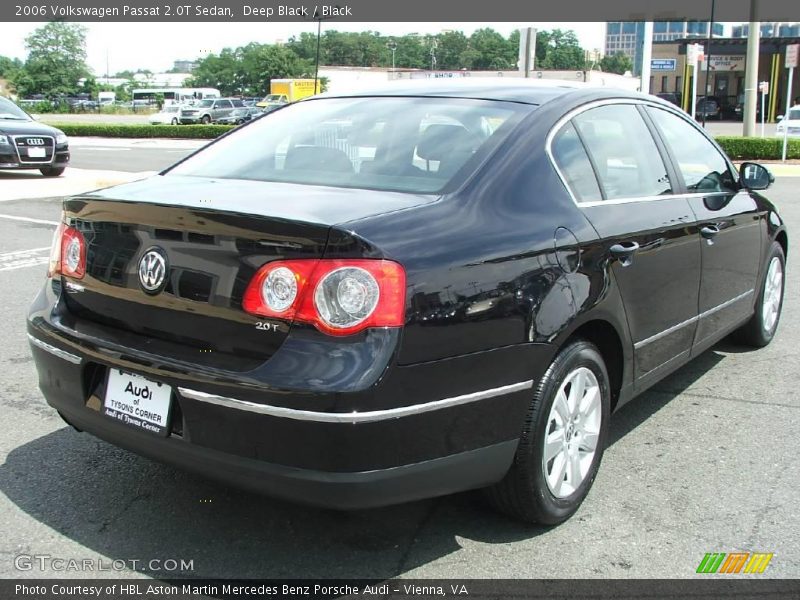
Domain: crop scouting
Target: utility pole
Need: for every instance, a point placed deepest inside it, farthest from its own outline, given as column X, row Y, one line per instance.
column 527, row 50
column 751, row 73
column 708, row 62
column 393, row 47
column 647, row 55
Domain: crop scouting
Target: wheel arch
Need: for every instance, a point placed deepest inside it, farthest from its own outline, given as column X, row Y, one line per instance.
column 603, row 334
column 783, row 239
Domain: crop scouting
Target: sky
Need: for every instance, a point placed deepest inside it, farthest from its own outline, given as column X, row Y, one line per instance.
column 154, row 46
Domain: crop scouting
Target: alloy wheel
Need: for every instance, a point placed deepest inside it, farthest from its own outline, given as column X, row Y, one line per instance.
column 572, row 432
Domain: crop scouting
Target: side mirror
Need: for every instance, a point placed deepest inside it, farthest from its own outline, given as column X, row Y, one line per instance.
column 755, row 177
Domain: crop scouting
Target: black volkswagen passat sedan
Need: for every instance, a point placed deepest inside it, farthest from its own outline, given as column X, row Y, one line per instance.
column 363, row 300
column 27, row 144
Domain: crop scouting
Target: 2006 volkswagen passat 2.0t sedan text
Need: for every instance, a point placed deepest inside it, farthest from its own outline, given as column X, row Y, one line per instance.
column 362, row 300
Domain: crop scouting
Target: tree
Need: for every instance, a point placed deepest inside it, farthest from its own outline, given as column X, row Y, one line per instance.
column 9, row 66
column 56, row 60
column 559, row 50
column 495, row 51
column 616, row 63
column 247, row 70
column 451, row 45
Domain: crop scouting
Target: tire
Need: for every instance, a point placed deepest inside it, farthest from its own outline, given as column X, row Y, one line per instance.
column 526, row 492
column 761, row 328
column 206, row 120
column 52, row 171
column 174, row 121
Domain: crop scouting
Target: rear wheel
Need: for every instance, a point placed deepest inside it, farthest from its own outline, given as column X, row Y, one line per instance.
column 562, row 440
column 174, row 121
column 761, row 328
column 52, row 171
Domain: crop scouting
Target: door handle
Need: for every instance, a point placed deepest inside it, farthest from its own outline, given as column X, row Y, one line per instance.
column 624, row 252
column 709, row 232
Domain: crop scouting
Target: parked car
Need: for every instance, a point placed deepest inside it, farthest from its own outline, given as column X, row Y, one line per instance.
column 671, row 97
column 169, row 115
column 789, row 124
column 209, row 110
column 241, row 115
column 709, row 108
column 257, row 312
column 28, row 144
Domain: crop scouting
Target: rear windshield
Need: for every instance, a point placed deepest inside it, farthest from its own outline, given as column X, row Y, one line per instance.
column 385, row 143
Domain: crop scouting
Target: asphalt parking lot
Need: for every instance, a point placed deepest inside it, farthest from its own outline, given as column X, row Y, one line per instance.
column 704, row 462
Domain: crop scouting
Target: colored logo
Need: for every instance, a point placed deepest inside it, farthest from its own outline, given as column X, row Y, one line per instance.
column 735, row 562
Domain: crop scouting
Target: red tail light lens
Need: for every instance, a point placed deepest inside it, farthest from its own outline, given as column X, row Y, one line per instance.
column 73, row 253
column 338, row 297
column 54, row 264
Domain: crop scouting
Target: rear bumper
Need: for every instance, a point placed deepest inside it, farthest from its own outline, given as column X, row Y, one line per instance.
column 419, row 431
column 351, row 490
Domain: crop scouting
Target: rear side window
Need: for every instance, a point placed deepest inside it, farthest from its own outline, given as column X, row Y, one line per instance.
column 623, row 152
column 702, row 166
column 573, row 162
column 403, row 144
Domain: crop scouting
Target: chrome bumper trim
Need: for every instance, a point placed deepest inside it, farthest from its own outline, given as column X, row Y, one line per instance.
column 353, row 417
column 74, row 359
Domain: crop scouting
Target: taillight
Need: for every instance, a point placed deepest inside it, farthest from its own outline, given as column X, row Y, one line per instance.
column 338, row 297
column 73, row 253
column 54, row 264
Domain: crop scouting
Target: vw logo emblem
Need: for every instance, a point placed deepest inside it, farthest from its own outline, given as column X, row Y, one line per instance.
column 153, row 270
column 35, row 142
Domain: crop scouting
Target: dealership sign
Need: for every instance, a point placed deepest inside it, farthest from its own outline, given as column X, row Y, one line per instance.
column 663, row 64
column 726, row 63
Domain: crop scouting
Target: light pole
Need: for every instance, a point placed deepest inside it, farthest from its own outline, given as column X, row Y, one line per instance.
column 393, row 47
column 708, row 63
column 751, row 73
column 433, row 54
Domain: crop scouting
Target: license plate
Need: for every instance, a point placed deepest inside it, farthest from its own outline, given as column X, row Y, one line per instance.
column 138, row 402
column 37, row 152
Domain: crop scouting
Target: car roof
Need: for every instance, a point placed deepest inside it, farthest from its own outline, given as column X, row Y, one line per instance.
column 527, row 91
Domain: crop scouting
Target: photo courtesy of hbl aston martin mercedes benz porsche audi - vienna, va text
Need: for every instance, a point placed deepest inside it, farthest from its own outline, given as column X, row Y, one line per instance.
column 367, row 299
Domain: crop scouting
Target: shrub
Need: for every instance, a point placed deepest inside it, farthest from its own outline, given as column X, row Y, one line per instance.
column 199, row 132
column 756, row 148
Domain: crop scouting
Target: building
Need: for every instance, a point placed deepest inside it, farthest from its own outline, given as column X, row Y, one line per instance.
column 768, row 30
column 184, row 66
column 158, row 80
column 726, row 69
column 628, row 36
column 5, row 89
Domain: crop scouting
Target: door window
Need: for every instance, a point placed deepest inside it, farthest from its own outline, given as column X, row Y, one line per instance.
column 623, row 152
column 703, row 167
column 573, row 162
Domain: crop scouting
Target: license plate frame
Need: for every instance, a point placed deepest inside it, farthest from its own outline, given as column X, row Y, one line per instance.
column 138, row 402
column 37, row 153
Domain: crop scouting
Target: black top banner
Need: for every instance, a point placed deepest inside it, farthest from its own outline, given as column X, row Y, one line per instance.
column 390, row 11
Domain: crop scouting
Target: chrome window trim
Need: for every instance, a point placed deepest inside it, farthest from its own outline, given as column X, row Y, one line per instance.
column 34, row 162
column 353, row 417
column 691, row 320
column 63, row 354
column 548, row 147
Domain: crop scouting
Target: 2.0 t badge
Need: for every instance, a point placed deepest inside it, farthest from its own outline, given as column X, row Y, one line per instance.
column 153, row 270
